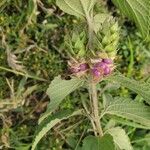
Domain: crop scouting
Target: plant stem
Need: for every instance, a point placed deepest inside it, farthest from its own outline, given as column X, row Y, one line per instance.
column 90, row 32
column 93, row 90
column 96, row 108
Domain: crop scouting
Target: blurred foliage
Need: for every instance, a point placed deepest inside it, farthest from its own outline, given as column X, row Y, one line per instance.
column 32, row 33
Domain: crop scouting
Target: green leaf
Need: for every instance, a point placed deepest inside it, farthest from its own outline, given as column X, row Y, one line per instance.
column 138, row 11
column 128, row 122
column 58, row 90
column 120, row 138
column 50, row 122
column 96, row 143
column 79, row 8
column 141, row 88
column 129, row 109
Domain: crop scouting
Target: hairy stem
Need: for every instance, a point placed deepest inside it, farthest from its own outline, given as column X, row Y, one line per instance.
column 96, row 108
column 90, row 33
column 93, row 90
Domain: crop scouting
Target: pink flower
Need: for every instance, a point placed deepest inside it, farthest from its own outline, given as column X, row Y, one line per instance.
column 107, row 71
column 83, row 67
column 96, row 72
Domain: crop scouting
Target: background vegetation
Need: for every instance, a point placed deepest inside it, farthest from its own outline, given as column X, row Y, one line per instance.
column 31, row 54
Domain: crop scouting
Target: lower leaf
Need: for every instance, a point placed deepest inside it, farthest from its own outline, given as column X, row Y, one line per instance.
column 129, row 109
column 141, row 88
column 96, row 143
column 120, row 138
column 50, row 122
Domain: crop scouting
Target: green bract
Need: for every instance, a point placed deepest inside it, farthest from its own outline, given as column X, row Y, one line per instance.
column 108, row 36
column 75, row 44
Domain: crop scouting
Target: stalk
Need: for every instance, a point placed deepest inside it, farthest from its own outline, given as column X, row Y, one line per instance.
column 90, row 32
column 95, row 108
column 93, row 90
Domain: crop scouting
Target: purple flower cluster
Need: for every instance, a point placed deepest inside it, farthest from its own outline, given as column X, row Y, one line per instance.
column 80, row 68
column 99, row 69
column 102, row 68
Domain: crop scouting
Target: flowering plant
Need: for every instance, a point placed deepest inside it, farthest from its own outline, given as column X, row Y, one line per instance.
column 92, row 50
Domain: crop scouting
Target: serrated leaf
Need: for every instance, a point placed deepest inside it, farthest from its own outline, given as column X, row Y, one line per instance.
column 141, row 88
column 50, row 122
column 120, row 138
column 129, row 109
column 138, row 11
column 79, row 8
column 128, row 122
column 58, row 90
column 96, row 143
